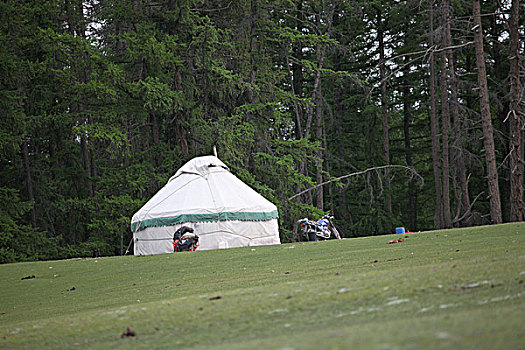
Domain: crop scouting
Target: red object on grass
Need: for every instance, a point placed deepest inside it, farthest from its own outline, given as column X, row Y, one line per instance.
column 396, row 241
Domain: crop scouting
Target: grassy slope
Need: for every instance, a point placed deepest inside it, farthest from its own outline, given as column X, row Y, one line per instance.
column 460, row 289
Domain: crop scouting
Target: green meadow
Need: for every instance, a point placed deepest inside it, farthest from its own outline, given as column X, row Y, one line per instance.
column 452, row 289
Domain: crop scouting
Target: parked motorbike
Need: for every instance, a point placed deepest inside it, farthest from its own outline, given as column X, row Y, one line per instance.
column 185, row 240
column 323, row 228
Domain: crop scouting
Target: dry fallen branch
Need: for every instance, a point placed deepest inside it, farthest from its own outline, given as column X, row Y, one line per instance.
column 468, row 211
column 409, row 169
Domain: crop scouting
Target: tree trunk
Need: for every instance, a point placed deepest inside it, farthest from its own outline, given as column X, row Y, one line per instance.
column 253, row 98
column 316, row 99
column 412, row 209
column 327, row 169
column 319, row 160
column 296, row 83
column 86, row 156
column 463, row 202
column 516, row 121
column 77, row 27
column 155, row 128
column 297, row 73
column 86, row 162
column 121, row 242
column 460, row 170
column 320, row 56
column 384, row 112
column 29, row 180
column 488, row 138
column 292, row 79
column 315, row 92
column 445, row 118
column 180, row 118
column 253, row 50
column 434, row 128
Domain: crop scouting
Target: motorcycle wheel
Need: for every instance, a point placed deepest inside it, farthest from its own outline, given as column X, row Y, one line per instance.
column 312, row 237
column 335, row 232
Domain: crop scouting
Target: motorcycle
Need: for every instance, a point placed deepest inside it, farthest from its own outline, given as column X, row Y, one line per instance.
column 185, row 240
column 321, row 229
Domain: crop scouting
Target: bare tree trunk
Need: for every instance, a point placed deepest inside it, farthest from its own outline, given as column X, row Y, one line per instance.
column 252, row 96
column 516, row 121
column 309, row 200
column 180, row 118
column 296, row 82
column 445, row 118
column 412, row 209
column 314, row 103
column 29, row 180
column 384, row 112
column 77, row 26
column 327, row 169
column 488, row 138
column 320, row 55
column 434, row 128
column 94, row 170
column 315, row 92
column 155, row 133
column 319, row 160
column 316, row 99
column 253, row 50
column 296, row 77
column 460, row 170
column 463, row 201
column 121, row 242
column 298, row 112
column 86, row 162
column 86, row 156
column 155, row 128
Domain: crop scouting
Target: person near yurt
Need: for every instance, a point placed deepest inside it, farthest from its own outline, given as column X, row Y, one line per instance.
column 205, row 196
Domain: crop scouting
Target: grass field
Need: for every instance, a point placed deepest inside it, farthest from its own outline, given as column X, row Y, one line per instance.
column 454, row 289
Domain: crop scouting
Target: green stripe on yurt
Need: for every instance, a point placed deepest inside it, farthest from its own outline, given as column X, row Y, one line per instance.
column 211, row 217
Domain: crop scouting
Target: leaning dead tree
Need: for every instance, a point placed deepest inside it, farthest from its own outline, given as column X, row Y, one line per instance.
column 410, row 170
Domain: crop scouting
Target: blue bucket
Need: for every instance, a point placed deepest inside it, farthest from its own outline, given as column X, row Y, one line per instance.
column 400, row 230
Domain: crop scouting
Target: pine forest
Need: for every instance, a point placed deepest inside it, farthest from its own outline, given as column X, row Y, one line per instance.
column 384, row 113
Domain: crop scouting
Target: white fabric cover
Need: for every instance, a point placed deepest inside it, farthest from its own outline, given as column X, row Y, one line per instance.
column 203, row 194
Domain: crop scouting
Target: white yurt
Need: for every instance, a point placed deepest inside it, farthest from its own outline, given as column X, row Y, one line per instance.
column 223, row 211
